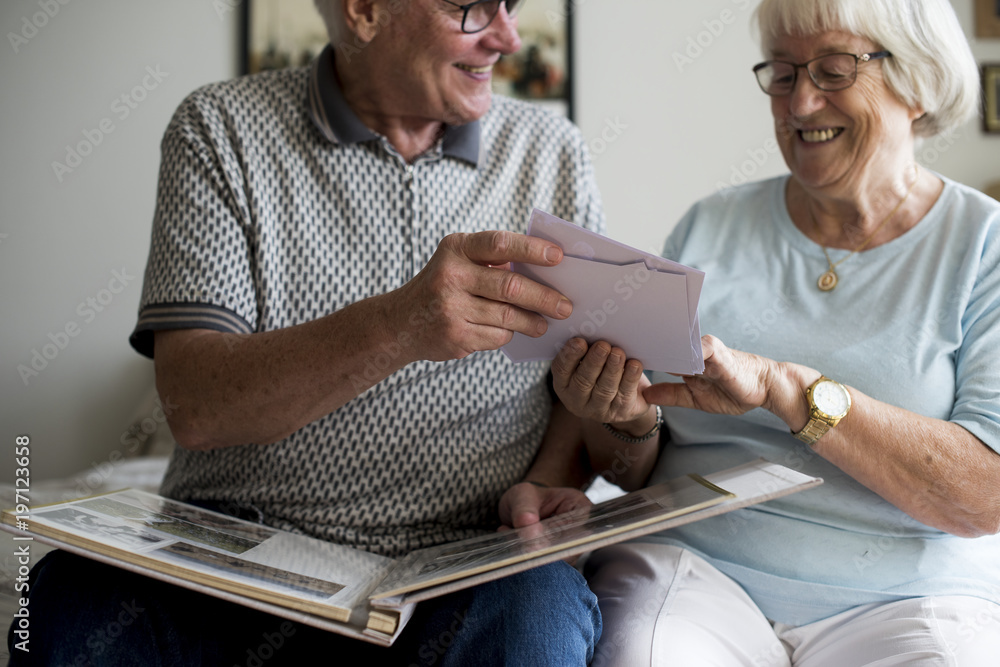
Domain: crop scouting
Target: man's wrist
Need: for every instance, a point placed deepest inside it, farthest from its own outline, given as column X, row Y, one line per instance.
column 390, row 329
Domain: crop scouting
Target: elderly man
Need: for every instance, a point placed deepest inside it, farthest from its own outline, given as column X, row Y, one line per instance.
column 326, row 309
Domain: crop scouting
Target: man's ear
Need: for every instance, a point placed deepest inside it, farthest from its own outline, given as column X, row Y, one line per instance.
column 362, row 18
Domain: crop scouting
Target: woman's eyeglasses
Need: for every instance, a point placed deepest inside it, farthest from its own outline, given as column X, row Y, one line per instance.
column 834, row 71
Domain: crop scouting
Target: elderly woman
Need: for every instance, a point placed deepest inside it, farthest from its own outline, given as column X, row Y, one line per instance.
column 864, row 293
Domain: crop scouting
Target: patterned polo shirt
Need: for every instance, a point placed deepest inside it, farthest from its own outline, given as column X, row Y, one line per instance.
column 277, row 206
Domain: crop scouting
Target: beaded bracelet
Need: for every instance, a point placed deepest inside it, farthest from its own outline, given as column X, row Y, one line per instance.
column 645, row 436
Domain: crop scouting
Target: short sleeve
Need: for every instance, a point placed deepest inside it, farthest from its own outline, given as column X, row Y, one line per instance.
column 589, row 205
column 573, row 190
column 977, row 400
column 200, row 268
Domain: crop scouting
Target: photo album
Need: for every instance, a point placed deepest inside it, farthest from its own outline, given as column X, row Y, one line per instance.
column 354, row 592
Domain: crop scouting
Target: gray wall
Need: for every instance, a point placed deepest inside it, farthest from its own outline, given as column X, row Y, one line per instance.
column 73, row 240
column 73, row 243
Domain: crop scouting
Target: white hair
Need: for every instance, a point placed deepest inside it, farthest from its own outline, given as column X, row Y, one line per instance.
column 932, row 67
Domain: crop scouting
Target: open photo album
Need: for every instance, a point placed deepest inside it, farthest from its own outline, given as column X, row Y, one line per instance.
column 354, row 592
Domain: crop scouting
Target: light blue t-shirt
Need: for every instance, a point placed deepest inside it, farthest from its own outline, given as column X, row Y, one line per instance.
column 914, row 323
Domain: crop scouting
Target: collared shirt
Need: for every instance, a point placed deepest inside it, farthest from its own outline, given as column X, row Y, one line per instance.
column 339, row 124
column 276, row 206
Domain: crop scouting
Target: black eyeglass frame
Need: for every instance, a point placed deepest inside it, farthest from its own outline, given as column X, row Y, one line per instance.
column 466, row 7
column 863, row 58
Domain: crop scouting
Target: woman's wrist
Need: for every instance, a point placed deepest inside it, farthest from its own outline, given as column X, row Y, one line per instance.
column 786, row 393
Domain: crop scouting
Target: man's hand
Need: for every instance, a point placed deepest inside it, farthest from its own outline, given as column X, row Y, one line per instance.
column 598, row 383
column 526, row 504
column 466, row 299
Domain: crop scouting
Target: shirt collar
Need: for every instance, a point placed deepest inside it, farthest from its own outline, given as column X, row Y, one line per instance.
column 340, row 125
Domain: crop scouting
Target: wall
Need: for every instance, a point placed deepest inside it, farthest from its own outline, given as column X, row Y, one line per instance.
column 74, row 238
column 665, row 97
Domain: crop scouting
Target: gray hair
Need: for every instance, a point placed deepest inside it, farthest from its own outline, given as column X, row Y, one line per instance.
column 932, row 67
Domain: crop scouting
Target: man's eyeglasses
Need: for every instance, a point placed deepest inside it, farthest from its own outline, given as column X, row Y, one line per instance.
column 834, row 71
column 477, row 16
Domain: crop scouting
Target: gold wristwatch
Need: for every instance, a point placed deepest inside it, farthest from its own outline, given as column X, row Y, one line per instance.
column 829, row 402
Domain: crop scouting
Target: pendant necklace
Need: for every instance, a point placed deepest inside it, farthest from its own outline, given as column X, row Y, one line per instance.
column 829, row 279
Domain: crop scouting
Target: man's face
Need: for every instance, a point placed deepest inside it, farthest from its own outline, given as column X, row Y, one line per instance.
column 428, row 69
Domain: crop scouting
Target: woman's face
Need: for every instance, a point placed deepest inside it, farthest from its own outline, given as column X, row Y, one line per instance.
column 839, row 141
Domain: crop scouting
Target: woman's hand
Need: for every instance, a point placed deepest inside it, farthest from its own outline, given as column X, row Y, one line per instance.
column 734, row 382
column 598, row 383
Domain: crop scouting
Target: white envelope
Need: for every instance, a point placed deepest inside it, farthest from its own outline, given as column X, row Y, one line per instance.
column 643, row 303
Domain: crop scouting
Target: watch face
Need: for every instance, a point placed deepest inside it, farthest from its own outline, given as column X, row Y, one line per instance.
column 832, row 398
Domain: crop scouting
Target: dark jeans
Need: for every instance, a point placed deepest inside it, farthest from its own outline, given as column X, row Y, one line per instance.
column 87, row 613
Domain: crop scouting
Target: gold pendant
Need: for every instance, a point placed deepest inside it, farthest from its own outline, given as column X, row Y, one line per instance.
column 827, row 281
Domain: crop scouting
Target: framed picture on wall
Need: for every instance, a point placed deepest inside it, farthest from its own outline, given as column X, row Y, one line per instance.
column 541, row 70
column 991, row 98
column 987, row 18
column 290, row 33
column 280, row 33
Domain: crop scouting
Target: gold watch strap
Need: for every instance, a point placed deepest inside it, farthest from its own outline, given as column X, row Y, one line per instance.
column 814, row 430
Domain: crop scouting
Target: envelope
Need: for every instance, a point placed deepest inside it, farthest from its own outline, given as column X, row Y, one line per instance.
column 643, row 303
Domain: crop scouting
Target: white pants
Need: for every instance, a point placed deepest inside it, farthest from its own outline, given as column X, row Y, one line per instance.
column 663, row 605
